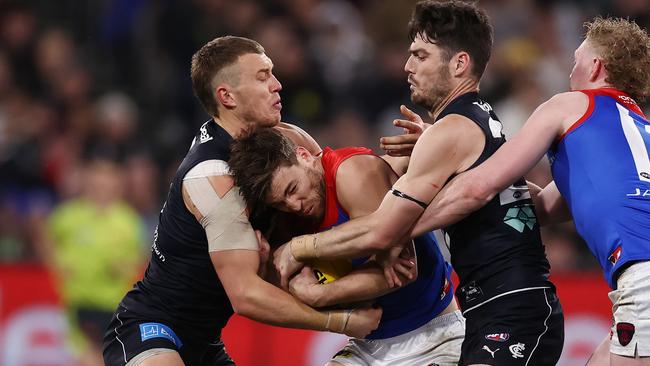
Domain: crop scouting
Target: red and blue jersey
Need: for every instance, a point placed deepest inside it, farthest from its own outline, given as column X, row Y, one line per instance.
column 601, row 165
column 415, row 304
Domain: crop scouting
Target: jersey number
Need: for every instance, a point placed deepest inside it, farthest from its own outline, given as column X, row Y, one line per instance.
column 638, row 138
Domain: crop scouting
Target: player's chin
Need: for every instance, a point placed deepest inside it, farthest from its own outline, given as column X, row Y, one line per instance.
column 272, row 120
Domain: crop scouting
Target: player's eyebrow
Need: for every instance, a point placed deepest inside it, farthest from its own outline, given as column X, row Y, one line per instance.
column 415, row 51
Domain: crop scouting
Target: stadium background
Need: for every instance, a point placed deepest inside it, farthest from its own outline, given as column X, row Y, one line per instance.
column 88, row 81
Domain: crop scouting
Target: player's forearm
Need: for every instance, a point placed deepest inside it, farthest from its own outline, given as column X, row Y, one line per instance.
column 268, row 304
column 355, row 238
column 453, row 203
column 360, row 285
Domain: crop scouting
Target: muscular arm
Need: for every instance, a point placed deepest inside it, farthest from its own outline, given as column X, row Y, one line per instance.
column 237, row 264
column 257, row 299
column 471, row 190
column 361, row 183
column 449, row 146
column 364, row 283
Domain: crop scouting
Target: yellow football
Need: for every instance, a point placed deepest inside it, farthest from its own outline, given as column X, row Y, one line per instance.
column 327, row 271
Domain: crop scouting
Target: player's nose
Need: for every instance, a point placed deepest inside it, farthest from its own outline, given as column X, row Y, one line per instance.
column 294, row 205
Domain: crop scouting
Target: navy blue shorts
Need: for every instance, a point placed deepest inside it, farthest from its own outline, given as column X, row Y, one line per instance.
column 523, row 328
column 129, row 335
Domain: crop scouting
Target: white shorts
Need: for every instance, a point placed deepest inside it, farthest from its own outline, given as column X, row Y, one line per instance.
column 438, row 342
column 631, row 309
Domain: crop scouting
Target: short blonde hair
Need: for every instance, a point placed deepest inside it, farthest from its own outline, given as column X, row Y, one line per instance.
column 625, row 50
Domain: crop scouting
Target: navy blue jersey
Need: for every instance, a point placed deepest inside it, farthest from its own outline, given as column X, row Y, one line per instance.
column 415, row 304
column 180, row 287
column 601, row 166
column 496, row 249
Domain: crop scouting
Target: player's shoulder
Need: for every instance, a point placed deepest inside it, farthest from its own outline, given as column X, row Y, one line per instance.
column 358, row 166
column 566, row 108
column 568, row 100
column 299, row 137
column 360, row 162
column 451, row 130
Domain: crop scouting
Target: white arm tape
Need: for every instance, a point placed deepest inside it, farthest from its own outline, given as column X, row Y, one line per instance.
column 224, row 219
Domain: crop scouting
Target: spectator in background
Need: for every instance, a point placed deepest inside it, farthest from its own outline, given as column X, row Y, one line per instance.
column 93, row 245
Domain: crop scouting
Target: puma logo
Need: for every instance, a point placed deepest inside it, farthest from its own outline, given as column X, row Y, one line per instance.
column 489, row 350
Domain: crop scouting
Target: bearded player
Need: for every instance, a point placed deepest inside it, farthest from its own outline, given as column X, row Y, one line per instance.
column 421, row 323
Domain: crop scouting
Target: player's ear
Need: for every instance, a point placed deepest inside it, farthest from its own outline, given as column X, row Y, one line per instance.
column 303, row 153
column 224, row 96
column 597, row 67
column 460, row 63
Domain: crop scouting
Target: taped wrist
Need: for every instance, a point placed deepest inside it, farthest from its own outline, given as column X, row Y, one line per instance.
column 304, row 247
column 337, row 320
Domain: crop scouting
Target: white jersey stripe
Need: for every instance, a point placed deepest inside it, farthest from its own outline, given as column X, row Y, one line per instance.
column 636, row 143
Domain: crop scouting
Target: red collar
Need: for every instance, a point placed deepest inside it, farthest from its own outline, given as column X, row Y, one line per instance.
column 621, row 97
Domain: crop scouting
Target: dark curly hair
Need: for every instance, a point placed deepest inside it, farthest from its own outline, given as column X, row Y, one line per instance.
column 454, row 26
column 625, row 50
column 254, row 158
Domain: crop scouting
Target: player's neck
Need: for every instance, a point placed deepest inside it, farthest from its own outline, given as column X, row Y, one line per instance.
column 463, row 87
column 232, row 124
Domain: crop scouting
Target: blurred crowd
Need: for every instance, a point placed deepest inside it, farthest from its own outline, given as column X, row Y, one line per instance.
column 96, row 106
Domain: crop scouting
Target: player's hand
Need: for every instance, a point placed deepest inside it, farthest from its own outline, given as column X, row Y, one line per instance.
column 402, row 145
column 265, row 252
column 397, row 261
column 363, row 321
column 305, row 287
column 285, row 264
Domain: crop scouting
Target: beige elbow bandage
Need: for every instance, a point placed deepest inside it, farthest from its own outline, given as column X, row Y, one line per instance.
column 224, row 218
column 304, row 248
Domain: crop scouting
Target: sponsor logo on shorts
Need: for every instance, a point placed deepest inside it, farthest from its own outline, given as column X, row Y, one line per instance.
column 625, row 332
column 471, row 291
column 497, row 337
column 157, row 330
column 517, row 349
column 486, row 348
column 616, row 255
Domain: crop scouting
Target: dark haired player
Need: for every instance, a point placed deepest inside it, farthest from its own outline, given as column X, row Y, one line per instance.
column 513, row 314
